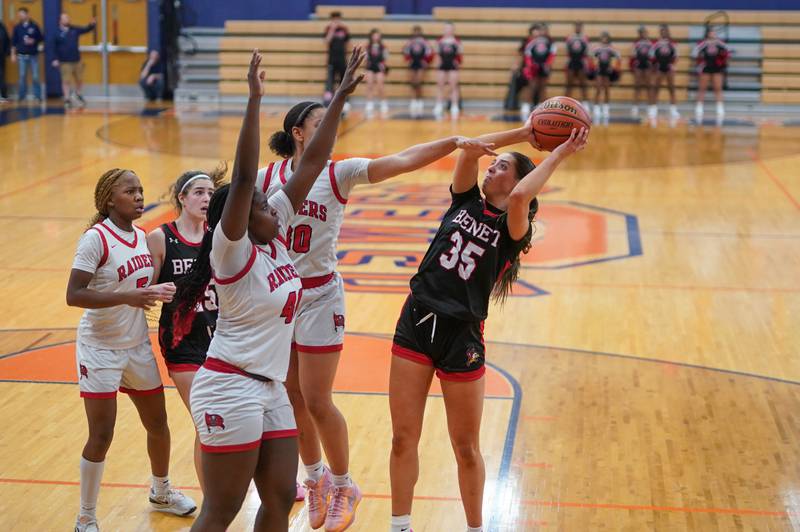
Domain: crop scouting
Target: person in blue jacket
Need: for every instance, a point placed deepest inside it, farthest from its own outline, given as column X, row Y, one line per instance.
column 68, row 58
column 25, row 41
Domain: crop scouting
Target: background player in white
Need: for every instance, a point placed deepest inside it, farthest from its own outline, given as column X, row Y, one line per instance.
column 240, row 407
column 111, row 277
column 319, row 328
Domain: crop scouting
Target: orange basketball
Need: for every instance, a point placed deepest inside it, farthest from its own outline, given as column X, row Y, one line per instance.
column 554, row 120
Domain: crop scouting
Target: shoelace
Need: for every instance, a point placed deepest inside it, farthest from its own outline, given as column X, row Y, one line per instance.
column 313, row 500
column 338, row 499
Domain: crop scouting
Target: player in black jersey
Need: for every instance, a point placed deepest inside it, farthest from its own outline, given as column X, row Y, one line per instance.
column 418, row 54
column 578, row 56
column 642, row 69
column 473, row 256
column 174, row 247
column 377, row 55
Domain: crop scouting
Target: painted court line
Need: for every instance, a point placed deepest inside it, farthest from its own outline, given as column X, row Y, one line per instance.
column 774, row 179
column 526, row 502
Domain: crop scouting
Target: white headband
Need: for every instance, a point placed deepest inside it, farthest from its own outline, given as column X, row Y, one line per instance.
column 194, row 178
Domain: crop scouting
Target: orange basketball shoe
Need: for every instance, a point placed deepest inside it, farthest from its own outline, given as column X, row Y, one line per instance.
column 342, row 509
column 317, row 494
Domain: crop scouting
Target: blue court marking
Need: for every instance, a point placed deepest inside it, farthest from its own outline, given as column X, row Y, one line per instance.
column 631, row 229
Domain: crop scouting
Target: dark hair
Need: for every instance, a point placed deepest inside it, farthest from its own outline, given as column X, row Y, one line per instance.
column 605, row 35
column 416, row 28
column 22, row 9
column 709, row 29
column 336, row 14
column 282, row 142
column 510, row 273
column 641, row 30
column 190, row 289
column 217, row 175
column 102, row 193
column 372, row 32
column 532, row 27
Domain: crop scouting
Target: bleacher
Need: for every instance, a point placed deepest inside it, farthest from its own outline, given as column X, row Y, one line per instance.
column 765, row 66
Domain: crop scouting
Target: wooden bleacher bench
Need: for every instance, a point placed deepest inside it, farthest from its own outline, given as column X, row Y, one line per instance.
column 352, row 12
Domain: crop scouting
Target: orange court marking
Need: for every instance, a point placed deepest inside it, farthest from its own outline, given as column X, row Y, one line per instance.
column 364, row 367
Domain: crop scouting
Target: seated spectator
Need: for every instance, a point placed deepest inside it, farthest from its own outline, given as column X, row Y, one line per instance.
column 151, row 77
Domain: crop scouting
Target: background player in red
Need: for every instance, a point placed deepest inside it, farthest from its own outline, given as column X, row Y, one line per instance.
column 450, row 53
column 607, row 63
column 712, row 59
column 577, row 63
column 473, row 256
column 664, row 54
column 239, row 405
column 377, row 56
column 418, row 54
column 539, row 56
column 111, row 278
column 642, row 69
column 174, row 247
column 320, row 317
column 337, row 36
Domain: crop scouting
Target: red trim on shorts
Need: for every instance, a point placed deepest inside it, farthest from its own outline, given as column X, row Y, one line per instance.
column 182, row 368
column 461, row 376
column 315, row 282
column 267, row 178
column 131, row 245
column 131, row 391
column 410, row 354
column 104, row 258
column 98, row 395
column 220, row 366
column 276, row 434
column 230, row 448
column 281, row 171
column 317, row 349
column 174, row 228
column 231, row 280
column 334, row 185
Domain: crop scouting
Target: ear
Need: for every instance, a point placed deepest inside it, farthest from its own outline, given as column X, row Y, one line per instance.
column 297, row 134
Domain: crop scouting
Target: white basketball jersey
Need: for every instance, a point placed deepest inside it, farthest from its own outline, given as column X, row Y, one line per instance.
column 314, row 230
column 120, row 261
column 257, row 304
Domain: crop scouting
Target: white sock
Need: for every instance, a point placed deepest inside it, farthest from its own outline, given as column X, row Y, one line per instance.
column 160, row 486
column 474, row 529
column 401, row 523
column 314, row 472
column 91, row 475
column 342, row 481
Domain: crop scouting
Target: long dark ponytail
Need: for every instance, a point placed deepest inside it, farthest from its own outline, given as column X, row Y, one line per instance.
column 192, row 286
column 504, row 284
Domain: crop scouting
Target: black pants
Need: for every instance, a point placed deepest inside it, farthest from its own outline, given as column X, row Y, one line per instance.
column 3, row 90
column 335, row 74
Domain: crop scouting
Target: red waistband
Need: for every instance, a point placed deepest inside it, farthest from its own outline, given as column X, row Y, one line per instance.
column 315, row 282
column 220, row 366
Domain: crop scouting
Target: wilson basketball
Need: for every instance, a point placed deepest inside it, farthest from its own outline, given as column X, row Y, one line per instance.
column 554, row 120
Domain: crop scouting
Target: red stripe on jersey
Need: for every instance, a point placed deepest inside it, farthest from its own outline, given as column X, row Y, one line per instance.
column 104, row 258
column 220, row 366
column 268, row 178
column 174, row 228
column 231, row 280
column 334, row 186
column 131, row 245
column 316, row 282
column 282, row 170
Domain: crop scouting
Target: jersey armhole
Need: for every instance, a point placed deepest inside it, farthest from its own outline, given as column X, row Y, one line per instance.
column 103, row 241
column 334, row 185
column 267, row 178
column 238, row 276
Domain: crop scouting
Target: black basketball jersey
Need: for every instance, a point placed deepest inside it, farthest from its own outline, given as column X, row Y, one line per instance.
column 179, row 256
column 470, row 251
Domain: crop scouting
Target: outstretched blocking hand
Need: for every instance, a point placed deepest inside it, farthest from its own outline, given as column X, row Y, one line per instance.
column 576, row 142
column 256, row 77
column 475, row 147
column 350, row 81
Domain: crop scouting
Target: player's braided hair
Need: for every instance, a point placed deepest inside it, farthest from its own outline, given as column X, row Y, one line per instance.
column 102, row 193
column 282, row 142
column 504, row 284
column 217, row 176
column 192, row 286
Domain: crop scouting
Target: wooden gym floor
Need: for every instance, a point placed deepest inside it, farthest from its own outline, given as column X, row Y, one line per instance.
column 645, row 376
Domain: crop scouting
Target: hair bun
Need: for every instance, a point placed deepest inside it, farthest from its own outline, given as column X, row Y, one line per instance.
column 282, row 143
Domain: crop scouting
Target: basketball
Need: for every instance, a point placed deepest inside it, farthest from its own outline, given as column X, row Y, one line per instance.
column 554, row 120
